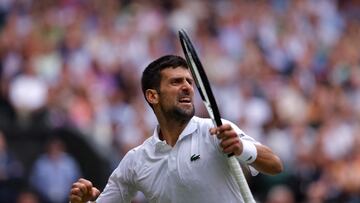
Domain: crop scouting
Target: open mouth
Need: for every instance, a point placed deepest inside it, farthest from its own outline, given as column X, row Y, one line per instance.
column 185, row 100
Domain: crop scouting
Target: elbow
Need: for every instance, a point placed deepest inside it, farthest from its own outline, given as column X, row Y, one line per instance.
column 267, row 162
column 277, row 166
column 272, row 166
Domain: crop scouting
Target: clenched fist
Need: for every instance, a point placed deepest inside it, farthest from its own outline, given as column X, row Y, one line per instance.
column 83, row 191
column 230, row 142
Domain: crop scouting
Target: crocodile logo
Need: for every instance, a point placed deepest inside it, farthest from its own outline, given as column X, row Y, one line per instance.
column 195, row 157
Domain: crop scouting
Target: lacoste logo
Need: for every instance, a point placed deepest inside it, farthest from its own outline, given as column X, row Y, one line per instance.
column 195, row 157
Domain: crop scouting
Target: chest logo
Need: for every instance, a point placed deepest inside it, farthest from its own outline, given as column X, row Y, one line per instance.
column 195, row 157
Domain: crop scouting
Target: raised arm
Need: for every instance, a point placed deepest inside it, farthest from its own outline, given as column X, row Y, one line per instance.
column 261, row 157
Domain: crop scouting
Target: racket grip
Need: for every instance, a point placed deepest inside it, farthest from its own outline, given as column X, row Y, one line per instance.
column 241, row 180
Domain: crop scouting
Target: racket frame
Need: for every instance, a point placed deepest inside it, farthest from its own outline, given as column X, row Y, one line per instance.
column 204, row 88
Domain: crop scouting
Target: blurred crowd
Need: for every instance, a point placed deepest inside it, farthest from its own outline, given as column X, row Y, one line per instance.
column 287, row 72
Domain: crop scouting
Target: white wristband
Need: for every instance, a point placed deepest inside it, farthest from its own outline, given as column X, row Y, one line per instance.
column 249, row 153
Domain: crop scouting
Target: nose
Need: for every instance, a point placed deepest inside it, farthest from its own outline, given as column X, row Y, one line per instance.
column 187, row 85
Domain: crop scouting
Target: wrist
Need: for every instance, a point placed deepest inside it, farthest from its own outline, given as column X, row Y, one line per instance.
column 249, row 152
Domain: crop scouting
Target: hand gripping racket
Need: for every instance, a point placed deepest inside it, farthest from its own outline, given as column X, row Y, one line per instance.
column 203, row 85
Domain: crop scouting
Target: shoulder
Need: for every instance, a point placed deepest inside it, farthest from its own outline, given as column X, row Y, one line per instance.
column 208, row 123
column 134, row 155
column 136, row 151
column 240, row 132
column 128, row 164
column 42, row 160
column 203, row 122
column 234, row 126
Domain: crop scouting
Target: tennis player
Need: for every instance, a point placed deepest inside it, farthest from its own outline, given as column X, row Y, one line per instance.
column 185, row 160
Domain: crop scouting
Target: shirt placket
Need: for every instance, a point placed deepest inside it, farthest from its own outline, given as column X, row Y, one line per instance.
column 173, row 165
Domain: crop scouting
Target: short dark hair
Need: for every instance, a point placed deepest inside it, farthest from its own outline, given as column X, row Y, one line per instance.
column 151, row 76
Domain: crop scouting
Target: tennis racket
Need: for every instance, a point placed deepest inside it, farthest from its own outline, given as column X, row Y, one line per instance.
column 203, row 85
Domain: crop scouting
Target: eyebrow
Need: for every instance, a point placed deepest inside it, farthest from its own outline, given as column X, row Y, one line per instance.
column 180, row 78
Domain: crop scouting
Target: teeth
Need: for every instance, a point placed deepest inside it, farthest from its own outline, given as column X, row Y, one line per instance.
column 185, row 100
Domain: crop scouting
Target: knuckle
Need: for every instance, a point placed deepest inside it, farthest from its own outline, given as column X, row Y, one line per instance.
column 226, row 126
column 236, row 141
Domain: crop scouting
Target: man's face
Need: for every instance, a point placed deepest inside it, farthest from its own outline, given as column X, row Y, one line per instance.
column 177, row 93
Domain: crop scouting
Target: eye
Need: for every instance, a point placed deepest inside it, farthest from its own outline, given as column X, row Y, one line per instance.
column 176, row 81
column 190, row 81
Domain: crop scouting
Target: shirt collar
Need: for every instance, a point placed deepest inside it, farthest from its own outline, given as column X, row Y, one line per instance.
column 161, row 145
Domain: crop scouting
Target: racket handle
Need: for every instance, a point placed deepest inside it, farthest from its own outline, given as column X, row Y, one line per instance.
column 241, row 180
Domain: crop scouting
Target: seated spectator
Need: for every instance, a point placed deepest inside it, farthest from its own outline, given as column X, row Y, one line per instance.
column 54, row 172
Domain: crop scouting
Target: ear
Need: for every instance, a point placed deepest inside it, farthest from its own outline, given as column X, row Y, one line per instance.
column 152, row 96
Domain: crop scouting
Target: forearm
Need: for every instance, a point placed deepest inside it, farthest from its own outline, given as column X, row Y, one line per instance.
column 266, row 161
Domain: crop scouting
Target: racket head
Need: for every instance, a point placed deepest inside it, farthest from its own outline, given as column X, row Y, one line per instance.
column 200, row 77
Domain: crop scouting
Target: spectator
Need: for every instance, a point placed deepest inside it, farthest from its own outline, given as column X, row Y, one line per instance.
column 27, row 196
column 286, row 71
column 54, row 172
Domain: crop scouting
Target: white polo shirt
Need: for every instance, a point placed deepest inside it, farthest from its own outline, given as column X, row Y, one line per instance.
column 194, row 170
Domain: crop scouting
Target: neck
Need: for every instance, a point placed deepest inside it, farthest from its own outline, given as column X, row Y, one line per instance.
column 170, row 130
